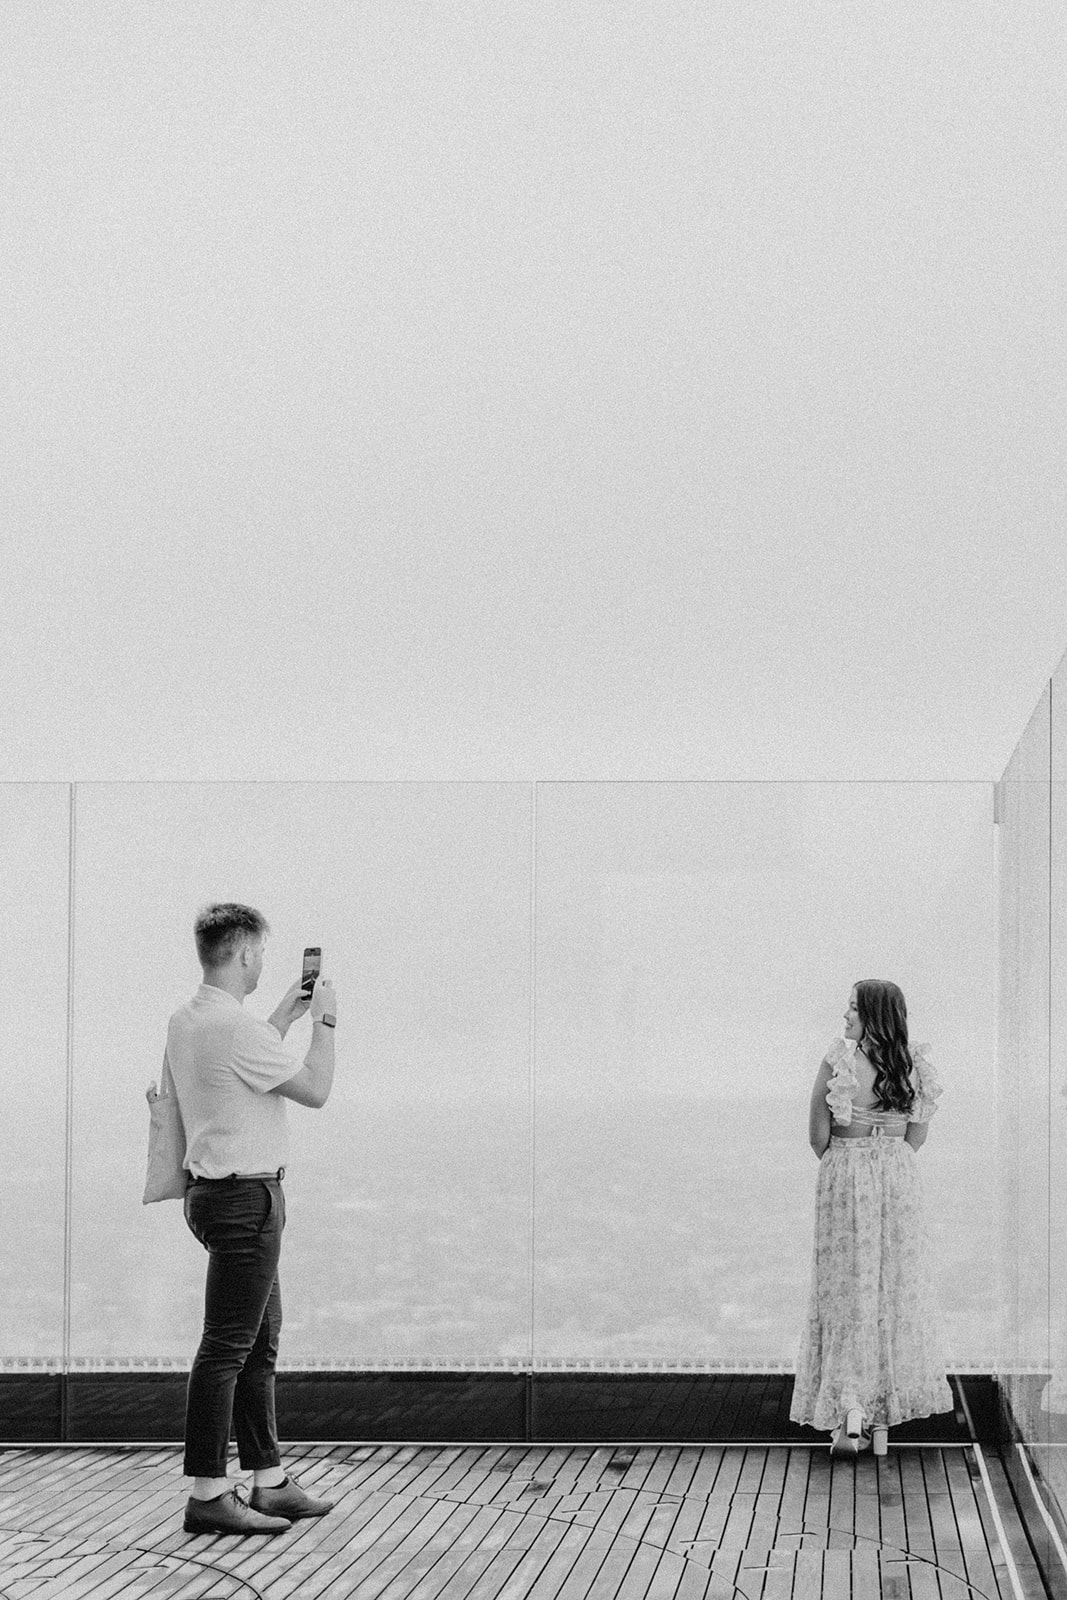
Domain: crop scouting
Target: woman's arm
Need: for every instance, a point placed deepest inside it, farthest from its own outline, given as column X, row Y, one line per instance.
column 915, row 1133
column 819, row 1120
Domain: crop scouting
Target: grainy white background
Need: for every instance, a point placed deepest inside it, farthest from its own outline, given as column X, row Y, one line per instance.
column 573, row 389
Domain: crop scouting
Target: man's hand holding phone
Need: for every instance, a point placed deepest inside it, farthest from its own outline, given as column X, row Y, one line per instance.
column 324, row 1002
column 293, row 1003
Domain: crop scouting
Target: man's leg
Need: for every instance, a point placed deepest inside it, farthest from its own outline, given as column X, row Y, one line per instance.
column 273, row 1493
column 240, row 1225
column 253, row 1398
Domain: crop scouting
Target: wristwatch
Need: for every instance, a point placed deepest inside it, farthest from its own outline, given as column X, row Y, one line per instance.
column 330, row 1022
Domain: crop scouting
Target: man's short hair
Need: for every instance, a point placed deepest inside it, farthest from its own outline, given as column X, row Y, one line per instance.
column 220, row 929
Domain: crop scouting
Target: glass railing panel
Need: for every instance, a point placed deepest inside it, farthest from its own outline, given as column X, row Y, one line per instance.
column 1055, row 1397
column 407, row 1240
column 696, row 944
column 1024, row 865
column 34, row 840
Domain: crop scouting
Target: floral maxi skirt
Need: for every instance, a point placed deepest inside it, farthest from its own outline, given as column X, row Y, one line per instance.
column 872, row 1337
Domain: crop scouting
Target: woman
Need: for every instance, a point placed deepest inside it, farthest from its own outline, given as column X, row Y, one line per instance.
column 870, row 1354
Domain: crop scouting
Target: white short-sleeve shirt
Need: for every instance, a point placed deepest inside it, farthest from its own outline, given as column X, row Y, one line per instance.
column 225, row 1062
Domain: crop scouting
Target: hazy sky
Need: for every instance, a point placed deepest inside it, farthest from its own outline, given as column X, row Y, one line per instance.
column 570, row 389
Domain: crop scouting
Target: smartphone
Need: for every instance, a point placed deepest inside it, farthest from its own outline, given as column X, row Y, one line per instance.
column 312, row 968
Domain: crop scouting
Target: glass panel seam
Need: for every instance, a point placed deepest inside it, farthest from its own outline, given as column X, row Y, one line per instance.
column 532, row 1098
column 68, row 1141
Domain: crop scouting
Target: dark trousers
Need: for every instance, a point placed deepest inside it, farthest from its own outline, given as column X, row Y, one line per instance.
column 239, row 1222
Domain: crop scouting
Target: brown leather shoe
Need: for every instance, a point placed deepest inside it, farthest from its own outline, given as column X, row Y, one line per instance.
column 288, row 1500
column 228, row 1513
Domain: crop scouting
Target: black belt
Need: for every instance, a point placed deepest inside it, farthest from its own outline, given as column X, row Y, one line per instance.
column 244, row 1177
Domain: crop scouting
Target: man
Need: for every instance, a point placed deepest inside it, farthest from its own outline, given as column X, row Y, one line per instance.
column 232, row 1078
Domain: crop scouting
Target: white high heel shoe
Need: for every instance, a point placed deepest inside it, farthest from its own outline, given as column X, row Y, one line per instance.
column 880, row 1439
column 849, row 1437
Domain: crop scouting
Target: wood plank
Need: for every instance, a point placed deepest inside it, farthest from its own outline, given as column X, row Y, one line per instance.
column 581, row 1468
column 127, row 1573
column 40, row 1469
column 866, row 1570
column 620, row 1506
column 753, row 1464
column 977, row 1560
column 434, row 1465
column 318, row 1542
column 817, row 1498
column 842, row 1506
column 667, row 1576
column 381, row 1563
column 508, row 1553
column 775, row 1467
column 794, row 1492
column 894, row 1533
column 540, row 1550
column 410, row 1524
column 808, row 1575
column 644, row 1461
column 552, row 1577
column 589, row 1508
column 583, row 1575
column 405, row 1562
column 734, row 1533
column 697, row 1583
column 725, row 1484
column 707, row 1470
column 837, row 1575
column 686, row 1525
column 389, row 1523
column 116, row 1514
column 763, row 1532
column 60, row 1492
column 638, row 1519
column 778, row 1579
column 683, row 1471
column 465, row 1475
column 866, row 1513
column 457, row 1583
column 450, row 1541
column 947, row 1549
column 920, row 1534
column 659, row 1473
column 573, row 1457
column 429, row 1579
column 725, row 1564
column 640, row 1574
column 666, row 1518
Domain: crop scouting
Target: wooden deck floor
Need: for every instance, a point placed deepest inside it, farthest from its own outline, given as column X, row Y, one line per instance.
column 549, row 1523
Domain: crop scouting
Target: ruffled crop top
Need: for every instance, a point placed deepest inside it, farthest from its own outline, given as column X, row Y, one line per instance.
column 844, row 1082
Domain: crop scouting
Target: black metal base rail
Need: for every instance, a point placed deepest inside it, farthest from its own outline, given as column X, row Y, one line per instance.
column 457, row 1407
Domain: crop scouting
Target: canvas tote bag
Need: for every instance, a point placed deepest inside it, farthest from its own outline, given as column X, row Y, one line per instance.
column 167, row 1177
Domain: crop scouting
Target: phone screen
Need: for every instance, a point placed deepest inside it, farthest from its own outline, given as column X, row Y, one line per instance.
column 312, row 968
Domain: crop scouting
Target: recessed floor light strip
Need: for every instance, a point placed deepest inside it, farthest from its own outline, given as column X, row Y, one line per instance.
column 1009, row 1559
column 1039, row 1498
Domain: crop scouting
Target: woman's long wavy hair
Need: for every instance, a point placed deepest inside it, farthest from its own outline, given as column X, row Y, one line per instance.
column 884, row 1019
